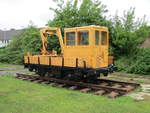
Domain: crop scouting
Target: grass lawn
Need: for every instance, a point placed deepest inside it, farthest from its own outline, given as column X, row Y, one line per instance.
column 18, row 96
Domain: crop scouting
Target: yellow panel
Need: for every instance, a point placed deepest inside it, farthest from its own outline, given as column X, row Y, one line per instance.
column 34, row 60
column 56, row 61
column 110, row 59
column 31, row 60
column 44, row 60
column 25, row 59
column 70, row 62
column 80, row 62
column 84, row 62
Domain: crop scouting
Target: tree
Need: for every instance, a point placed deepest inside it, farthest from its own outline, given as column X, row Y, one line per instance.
column 124, row 33
column 71, row 14
column 27, row 41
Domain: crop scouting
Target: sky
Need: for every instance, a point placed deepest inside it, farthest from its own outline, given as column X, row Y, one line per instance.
column 17, row 14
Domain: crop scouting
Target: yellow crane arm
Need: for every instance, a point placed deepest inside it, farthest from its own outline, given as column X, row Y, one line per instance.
column 44, row 37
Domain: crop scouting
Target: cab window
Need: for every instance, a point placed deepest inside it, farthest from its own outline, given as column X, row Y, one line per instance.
column 83, row 38
column 70, row 38
column 103, row 38
column 97, row 37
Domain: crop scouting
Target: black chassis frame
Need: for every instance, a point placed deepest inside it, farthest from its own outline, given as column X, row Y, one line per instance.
column 86, row 70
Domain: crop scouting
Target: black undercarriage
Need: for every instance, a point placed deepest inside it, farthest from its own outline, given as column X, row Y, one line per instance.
column 70, row 73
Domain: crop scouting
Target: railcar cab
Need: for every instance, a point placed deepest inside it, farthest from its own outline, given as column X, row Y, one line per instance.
column 88, row 41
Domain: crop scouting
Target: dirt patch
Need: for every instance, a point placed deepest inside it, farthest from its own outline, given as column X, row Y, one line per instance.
column 2, row 72
column 146, row 43
column 141, row 79
column 144, row 94
column 140, row 94
column 2, row 94
column 6, row 93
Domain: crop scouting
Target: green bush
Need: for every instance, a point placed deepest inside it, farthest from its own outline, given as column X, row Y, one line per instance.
column 27, row 41
column 142, row 34
column 122, row 63
column 128, row 33
column 141, row 64
column 138, row 63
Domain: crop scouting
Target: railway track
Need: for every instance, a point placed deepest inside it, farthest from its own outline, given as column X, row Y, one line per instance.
column 109, row 88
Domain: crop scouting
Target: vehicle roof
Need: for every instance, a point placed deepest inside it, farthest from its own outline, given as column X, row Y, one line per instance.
column 90, row 26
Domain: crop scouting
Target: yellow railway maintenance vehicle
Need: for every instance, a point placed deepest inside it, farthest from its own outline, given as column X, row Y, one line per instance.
column 84, row 54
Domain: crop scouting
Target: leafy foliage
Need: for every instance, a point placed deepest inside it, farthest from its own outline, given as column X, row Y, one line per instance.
column 138, row 63
column 72, row 14
column 127, row 33
column 142, row 34
column 53, row 44
column 27, row 41
column 141, row 64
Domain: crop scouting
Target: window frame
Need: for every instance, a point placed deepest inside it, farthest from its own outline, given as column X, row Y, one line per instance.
column 100, row 36
column 106, row 39
column 99, row 42
column 70, row 40
column 80, row 30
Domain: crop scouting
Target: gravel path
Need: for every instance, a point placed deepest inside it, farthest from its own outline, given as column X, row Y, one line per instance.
column 7, row 68
column 143, row 94
column 2, row 72
column 11, row 72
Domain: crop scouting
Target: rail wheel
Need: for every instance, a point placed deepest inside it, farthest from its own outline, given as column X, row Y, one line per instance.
column 91, row 78
column 105, row 74
column 72, row 75
column 41, row 72
column 68, row 75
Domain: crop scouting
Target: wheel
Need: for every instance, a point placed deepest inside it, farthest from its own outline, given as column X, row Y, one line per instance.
column 41, row 72
column 56, row 72
column 30, row 68
column 91, row 78
column 68, row 75
column 105, row 74
column 73, row 75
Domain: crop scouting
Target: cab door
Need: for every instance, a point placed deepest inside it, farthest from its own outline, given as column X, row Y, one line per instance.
column 101, row 48
column 104, row 47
